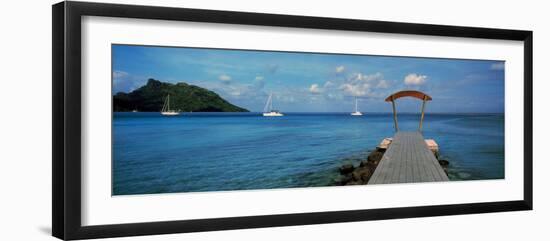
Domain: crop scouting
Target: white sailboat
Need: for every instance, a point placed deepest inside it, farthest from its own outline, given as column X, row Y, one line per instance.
column 268, row 108
column 356, row 113
column 166, row 108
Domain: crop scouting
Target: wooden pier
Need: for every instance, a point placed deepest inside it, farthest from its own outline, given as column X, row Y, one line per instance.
column 408, row 159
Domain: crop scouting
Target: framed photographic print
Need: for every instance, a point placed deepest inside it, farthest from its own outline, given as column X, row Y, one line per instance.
column 170, row 120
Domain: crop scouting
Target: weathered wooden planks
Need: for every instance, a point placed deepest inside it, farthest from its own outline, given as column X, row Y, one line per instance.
column 408, row 159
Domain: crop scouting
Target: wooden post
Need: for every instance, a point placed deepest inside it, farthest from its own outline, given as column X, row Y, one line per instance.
column 394, row 115
column 422, row 115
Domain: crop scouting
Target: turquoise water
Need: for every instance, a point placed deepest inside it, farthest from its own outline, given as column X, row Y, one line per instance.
column 234, row 151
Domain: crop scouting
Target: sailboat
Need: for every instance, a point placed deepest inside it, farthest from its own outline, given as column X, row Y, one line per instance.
column 269, row 107
column 356, row 113
column 166, row 108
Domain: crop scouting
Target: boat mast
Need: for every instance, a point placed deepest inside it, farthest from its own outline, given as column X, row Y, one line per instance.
column 268, row 104
column 271, row 102
column 163, row 106
column 355, row 103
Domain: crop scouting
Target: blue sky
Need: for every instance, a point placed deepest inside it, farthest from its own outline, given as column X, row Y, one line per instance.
column 307, row 82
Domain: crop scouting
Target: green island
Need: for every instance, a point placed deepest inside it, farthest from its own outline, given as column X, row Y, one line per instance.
column 183, row 97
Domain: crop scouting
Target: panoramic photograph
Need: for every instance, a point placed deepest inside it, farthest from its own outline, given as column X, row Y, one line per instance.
column 202, row 119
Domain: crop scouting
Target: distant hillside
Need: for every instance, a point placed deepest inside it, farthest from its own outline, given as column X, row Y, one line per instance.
column 183, row 97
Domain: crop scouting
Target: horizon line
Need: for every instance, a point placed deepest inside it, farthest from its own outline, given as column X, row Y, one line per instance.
column 328, row 112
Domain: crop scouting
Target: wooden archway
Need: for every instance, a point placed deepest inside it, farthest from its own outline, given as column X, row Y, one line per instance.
column 408, row 93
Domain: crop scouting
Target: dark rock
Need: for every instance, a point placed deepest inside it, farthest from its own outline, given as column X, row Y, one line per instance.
column 362, row 175
column 375, row 157
column 445, row 165
column 368, row 164
column 380, row 149
column 346, row 179
column 356, row 176
column 346, row 168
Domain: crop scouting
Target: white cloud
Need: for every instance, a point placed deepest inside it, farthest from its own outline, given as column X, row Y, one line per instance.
column 340, row 69
column 356, row 90
column 359, row 84
column 383, row 84
column 328, row 84
column 368, row 77
column 235, row 91
column 126, row 82
column 314, row 89
column 119, row 74
column 415, row 79
column 334, row 96
column 225, row 78
column 497, row 66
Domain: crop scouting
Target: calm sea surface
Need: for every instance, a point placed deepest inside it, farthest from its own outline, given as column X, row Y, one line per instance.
column 235, row 151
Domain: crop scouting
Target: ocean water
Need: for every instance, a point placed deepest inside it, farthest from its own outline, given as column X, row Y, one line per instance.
column 197, row 152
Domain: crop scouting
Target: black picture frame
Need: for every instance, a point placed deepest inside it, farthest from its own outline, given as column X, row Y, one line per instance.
column 66, row 128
